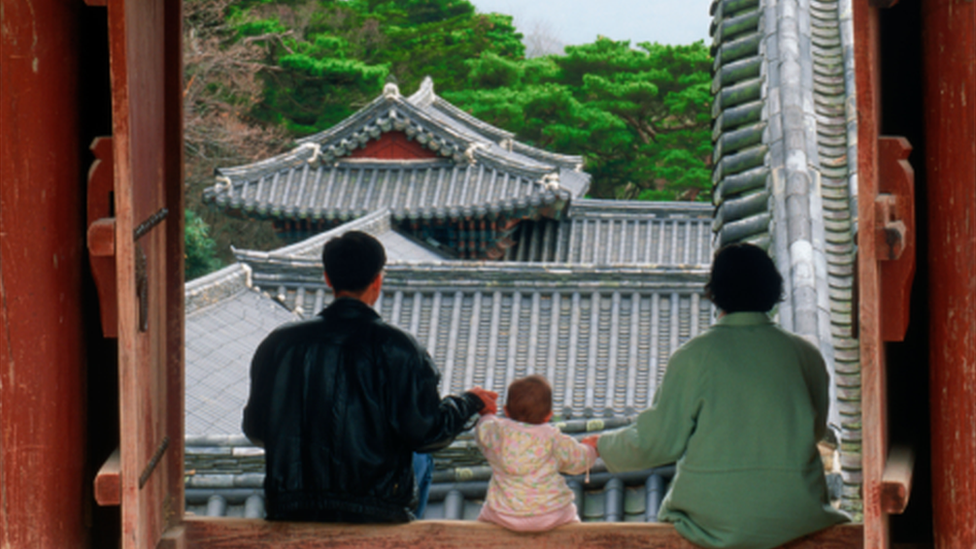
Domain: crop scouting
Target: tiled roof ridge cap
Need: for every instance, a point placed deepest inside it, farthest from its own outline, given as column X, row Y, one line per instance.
column 583, row 206
column 474, row 276
column 367, row 224
column 205, row 290
column 424, row 96
column 467, row 119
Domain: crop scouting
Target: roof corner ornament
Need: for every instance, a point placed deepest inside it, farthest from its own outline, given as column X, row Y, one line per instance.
column 506, row 144
column 248, row 276
column 316, row 151
column 469, row 152
column 223, row 182
column 390, row 89
column 578, row 167
column 551, row 182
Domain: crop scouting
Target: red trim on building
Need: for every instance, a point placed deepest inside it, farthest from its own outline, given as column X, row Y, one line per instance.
column 393, row 146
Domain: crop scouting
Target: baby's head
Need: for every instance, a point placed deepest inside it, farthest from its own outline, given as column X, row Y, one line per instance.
column 529, row 400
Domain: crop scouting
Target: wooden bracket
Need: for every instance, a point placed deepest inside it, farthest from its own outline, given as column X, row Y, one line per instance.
column 101, row 233
column 895, row 234
column 896, row 482
column 108, row 481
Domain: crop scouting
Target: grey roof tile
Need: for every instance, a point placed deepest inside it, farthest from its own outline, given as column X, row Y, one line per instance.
column 614, row 232
column 221, row 337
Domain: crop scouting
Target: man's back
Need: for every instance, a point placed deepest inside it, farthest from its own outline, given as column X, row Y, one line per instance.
column 341, row 402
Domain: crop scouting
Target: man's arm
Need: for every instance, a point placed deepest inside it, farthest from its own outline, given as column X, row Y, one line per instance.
column 425, row 421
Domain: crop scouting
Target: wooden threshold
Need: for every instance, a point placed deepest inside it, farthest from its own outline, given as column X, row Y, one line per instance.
column 226, row 533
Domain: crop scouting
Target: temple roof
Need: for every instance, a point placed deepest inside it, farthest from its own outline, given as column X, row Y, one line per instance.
column 612, row 232
column 471, row 169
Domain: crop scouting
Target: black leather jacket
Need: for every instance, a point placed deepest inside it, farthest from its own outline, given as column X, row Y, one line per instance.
column 339, row 403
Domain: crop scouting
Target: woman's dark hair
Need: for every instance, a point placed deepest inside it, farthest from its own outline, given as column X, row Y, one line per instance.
column 744, row 278
column 529, row 400
column 352, row 261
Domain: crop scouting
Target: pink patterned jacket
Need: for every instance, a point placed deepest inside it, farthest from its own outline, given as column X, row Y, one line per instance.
column 526, row 491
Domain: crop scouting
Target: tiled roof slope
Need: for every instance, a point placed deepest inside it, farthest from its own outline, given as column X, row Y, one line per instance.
column 601, row 335
column 225, row 322
column 614, row 232
column 481, row 171
column 785, row 158
column 399, row 248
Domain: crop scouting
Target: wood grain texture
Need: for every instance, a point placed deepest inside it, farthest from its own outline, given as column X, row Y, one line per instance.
column 207, row 533
column 873, row 378
column 949, row 64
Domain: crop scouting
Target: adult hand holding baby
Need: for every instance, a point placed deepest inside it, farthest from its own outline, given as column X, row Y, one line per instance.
column 489, row 398
column 592, row 441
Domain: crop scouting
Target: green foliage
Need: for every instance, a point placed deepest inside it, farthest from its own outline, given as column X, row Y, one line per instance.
column 327, row 58
column 639, row 116
column 200, row 250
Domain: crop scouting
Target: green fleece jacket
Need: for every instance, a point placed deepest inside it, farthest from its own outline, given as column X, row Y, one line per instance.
column 740, row 410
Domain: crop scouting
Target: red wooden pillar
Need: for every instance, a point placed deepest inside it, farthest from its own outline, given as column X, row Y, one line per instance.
column 43, row 489
column 874, row 384
column 949, row 42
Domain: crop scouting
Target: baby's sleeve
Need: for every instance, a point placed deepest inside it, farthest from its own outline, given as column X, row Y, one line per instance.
column 488, row 435
column 574, row 457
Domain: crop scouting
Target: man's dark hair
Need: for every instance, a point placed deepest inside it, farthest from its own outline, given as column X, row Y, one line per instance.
column 529, row 400
column 352, row 261
column 744, row 278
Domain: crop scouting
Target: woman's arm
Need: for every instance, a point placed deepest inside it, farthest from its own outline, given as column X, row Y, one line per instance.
column 660, row 434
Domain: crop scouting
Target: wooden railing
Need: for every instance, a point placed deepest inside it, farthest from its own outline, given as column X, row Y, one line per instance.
column 227, row 533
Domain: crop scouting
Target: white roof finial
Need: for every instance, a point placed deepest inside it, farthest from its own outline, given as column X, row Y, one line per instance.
column 390, row 89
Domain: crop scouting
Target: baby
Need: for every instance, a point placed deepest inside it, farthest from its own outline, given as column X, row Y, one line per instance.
column 526, row 492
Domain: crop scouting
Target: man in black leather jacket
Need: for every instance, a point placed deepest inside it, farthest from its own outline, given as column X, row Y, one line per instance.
column 342, row 401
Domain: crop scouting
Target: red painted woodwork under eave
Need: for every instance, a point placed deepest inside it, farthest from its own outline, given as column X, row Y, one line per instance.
column 42, row 261
column 393, row 146
column 949, row 44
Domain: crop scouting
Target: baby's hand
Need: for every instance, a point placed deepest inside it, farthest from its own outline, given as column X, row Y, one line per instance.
column 591, row 441
column 489, row 398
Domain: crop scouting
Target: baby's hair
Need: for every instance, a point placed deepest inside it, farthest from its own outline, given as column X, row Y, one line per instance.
column 529, row 400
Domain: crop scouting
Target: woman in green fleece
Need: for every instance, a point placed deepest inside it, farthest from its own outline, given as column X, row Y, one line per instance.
column 740, row 410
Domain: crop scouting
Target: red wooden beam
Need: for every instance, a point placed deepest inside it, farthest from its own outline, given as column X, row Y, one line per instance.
column 226, row 533
column 896, row 483
column 108, row 481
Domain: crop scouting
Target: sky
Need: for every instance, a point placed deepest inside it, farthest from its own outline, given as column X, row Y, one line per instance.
column 580, row 21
